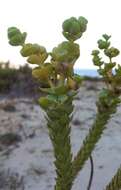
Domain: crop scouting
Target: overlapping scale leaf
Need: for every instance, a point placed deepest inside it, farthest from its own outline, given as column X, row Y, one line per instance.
column 46, row 102
column 112, row 52
column 66, row 52
column 103, row 44
column 16, row 37
column 106, row 37
column 37, row 59
column 73, row 28
column 29, row 49
column 34, row 59
column 59, row 90
column 97, row 60
column 43, row 73
column 109, row 66
column 36, row 54
column 74, row 82
column 83, row 23
column 71, row 83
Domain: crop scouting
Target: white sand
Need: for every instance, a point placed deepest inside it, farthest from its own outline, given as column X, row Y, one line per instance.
column 33, row 157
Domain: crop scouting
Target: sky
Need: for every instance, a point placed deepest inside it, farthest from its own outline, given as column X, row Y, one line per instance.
column 42, row 20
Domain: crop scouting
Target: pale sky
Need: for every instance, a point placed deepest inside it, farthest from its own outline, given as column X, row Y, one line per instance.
column 42, row 21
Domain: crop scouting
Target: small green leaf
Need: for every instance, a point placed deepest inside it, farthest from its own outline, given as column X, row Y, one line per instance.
column 46, row 102
column 95, row 52
column 103, row 44
column 83, row 23
column 15, row 36
column 66, row 52
column 112, row 52
column 30, row 49
column 106, row 37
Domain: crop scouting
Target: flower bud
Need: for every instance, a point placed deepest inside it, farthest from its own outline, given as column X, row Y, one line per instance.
column 111, row 52
column 66, row 52
column 103, row 44
column 15, row 36
column 73, row 28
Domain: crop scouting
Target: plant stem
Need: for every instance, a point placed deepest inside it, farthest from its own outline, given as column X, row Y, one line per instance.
column 103, row 115
column 91, row 173
column 59, row 131
column 115, row 183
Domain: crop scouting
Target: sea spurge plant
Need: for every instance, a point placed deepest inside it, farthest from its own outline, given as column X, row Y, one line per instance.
column 62, row 85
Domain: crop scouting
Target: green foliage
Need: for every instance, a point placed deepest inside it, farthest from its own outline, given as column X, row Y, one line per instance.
column 106, row 107
column 66, row 52
column 7, row 76
column 63, row 85
column 111, row 52
column 16, row 38
column 74, row 28
column 115, row 183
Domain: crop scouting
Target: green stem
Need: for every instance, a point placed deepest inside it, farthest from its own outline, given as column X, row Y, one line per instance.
column 103, row 115
column 59, row 131
column 115, row 183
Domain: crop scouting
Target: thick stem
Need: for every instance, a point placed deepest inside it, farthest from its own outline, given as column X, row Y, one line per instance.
column 59, row 131
column 115, row 183
column 103, row 115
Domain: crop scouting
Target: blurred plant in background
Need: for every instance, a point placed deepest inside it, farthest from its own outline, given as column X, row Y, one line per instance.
column 7, row 76
column 17, row 82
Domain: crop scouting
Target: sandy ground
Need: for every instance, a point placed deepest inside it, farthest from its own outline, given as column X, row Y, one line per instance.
column 26, row 163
